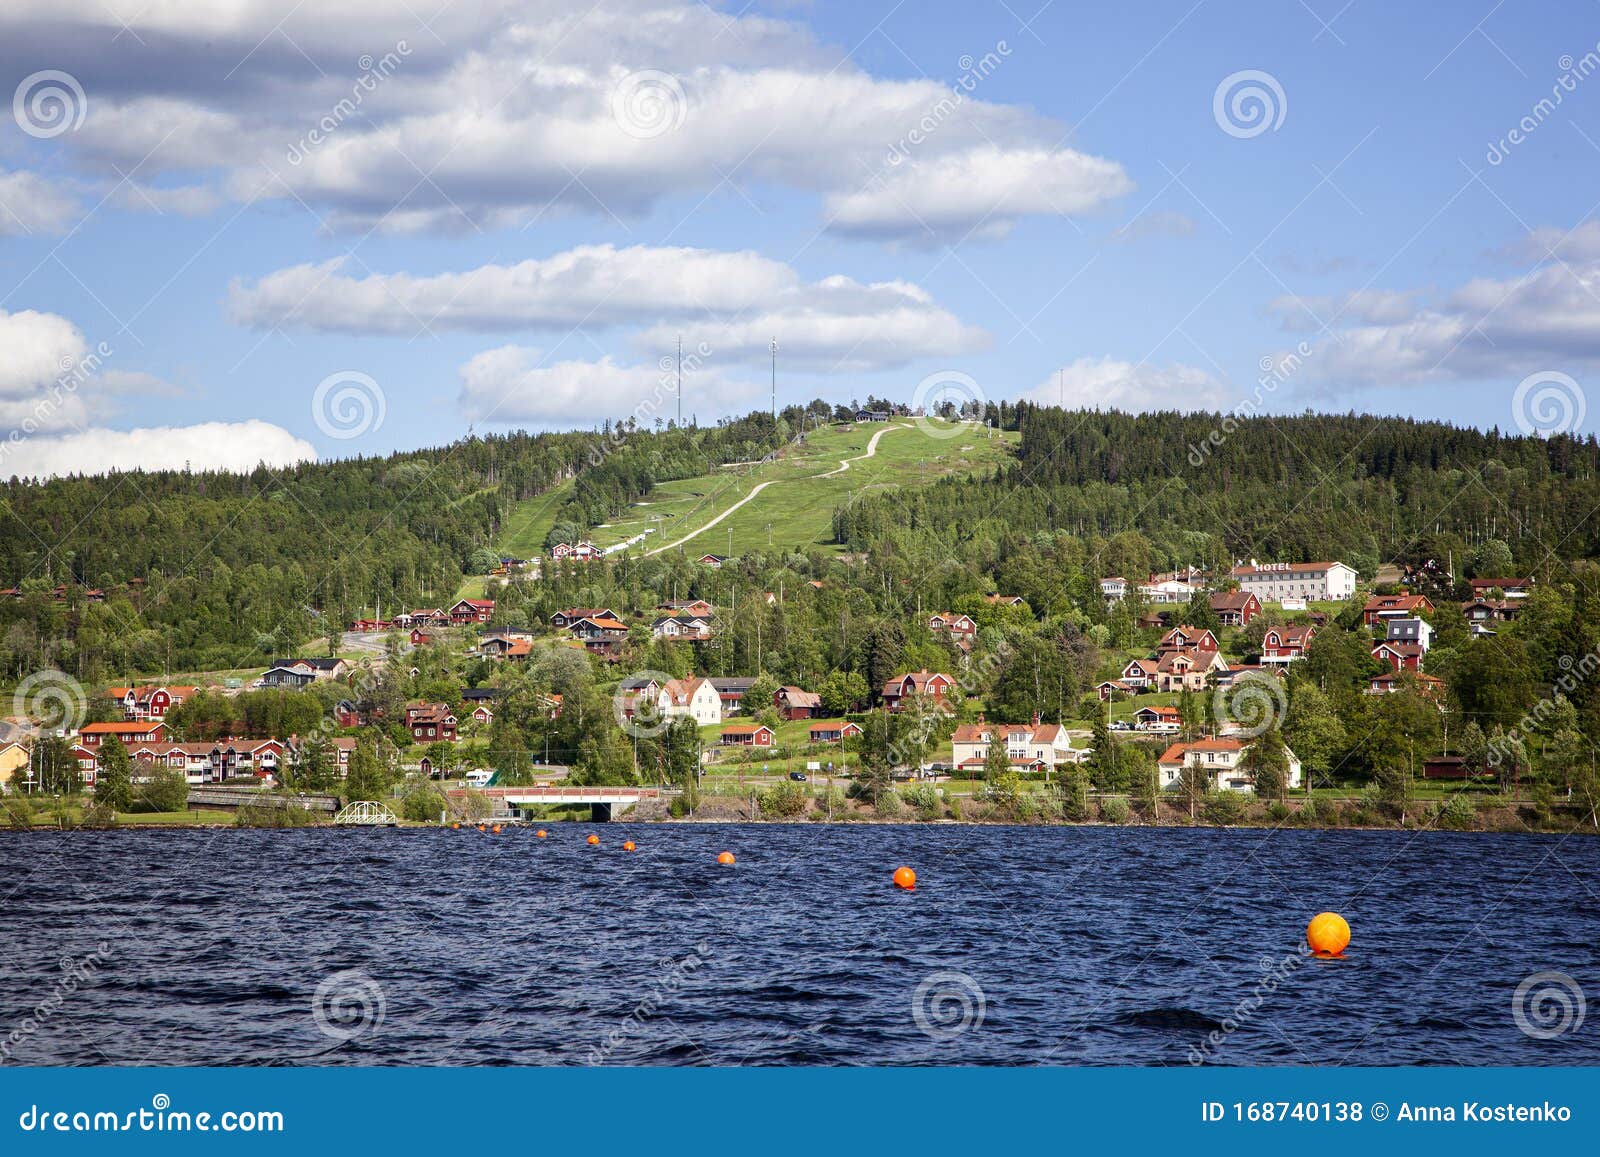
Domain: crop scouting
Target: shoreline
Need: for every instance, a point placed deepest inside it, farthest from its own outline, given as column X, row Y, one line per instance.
column 1198, row 825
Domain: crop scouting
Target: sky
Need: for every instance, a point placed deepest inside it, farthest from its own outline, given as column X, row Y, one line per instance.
column 260, row 230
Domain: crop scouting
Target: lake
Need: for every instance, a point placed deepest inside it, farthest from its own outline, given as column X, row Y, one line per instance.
column 1020, row 945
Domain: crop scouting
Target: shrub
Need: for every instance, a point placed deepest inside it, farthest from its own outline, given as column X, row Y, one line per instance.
column 474, row 805
column 1114, row 810
column 1459, row 812
column 1277, row 811
column 99, row 815
column 424, row 804
column 18, row 811
column 167, row 791
column 678, row 808
column 889, row 805
column 782, row 800
column 836, row 801
column 954, row 804
column 1225, row 807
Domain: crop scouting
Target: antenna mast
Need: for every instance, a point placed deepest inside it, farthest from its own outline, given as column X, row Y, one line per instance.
column 774, row 348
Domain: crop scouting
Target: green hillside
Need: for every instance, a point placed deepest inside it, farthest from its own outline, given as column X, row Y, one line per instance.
column 798, row 490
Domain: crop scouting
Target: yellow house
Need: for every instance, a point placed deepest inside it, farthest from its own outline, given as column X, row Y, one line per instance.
column 13, row 758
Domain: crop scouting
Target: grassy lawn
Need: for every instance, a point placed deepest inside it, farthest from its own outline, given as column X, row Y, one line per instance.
column 198, row 816
column 523, row 532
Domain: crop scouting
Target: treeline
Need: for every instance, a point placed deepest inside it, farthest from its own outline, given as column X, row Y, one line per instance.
column 1207, row 489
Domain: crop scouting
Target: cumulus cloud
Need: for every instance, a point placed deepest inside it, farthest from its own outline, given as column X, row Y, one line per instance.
column 1546, row 319
column 30, row 204
column 236, row 446
column 511, row 384
column 41, row 358
column 1108, row 384
column 516, row 109
column 735, row 302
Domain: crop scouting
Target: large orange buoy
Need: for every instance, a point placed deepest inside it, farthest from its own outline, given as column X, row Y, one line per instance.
column 1327, row 934
column 725, row 858
column 540, row 833
column 497, row 829
column 627, row 846
column 905, row 878
column 594, row 839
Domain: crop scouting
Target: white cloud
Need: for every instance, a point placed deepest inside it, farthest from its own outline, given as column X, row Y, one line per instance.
column 236, row 446
column 733, row 302
column 509, row 108
column 1108, row 384
column 30, row 204
column 981, row 192
column 1547, row 319
column 511, row 385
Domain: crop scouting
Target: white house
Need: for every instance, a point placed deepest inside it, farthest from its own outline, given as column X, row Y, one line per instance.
column 1114, row 588
column 1028, row 745
column 1222, row 759
column 696, row 698
column 1275, row 581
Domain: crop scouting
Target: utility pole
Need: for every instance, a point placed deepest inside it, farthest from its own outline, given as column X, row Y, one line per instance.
column 774, row 348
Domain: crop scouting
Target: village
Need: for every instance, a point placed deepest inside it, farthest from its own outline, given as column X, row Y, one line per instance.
column 1196, row 699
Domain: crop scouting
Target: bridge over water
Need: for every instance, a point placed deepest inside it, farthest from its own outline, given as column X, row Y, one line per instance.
column 604, row 802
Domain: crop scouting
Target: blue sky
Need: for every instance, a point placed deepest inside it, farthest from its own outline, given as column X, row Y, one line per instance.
column 501, row 214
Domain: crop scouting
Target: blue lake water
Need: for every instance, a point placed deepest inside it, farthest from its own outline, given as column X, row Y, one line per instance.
column 1060, row 946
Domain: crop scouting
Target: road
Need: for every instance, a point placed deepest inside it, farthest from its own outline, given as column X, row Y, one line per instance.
column 872, row 448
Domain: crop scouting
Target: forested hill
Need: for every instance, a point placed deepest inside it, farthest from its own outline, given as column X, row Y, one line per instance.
column 215, row 570
column 1204, row 489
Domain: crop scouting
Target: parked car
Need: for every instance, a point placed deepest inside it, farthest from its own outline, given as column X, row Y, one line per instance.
column 798, row 776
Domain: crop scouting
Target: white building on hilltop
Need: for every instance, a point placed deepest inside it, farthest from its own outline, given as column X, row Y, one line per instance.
column 1272, row 582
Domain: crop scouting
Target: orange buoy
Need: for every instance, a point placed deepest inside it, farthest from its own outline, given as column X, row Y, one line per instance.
column 905, row 878
column 725, row 858
column 627, row 846
column 481, row 828
column 594, row 839
column 540, row 833
column 1327, row 934
column 497, row 829
column 455, row 827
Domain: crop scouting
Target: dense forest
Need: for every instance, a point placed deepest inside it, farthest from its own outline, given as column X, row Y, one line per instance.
column 210, row 571
column 1207, row 490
